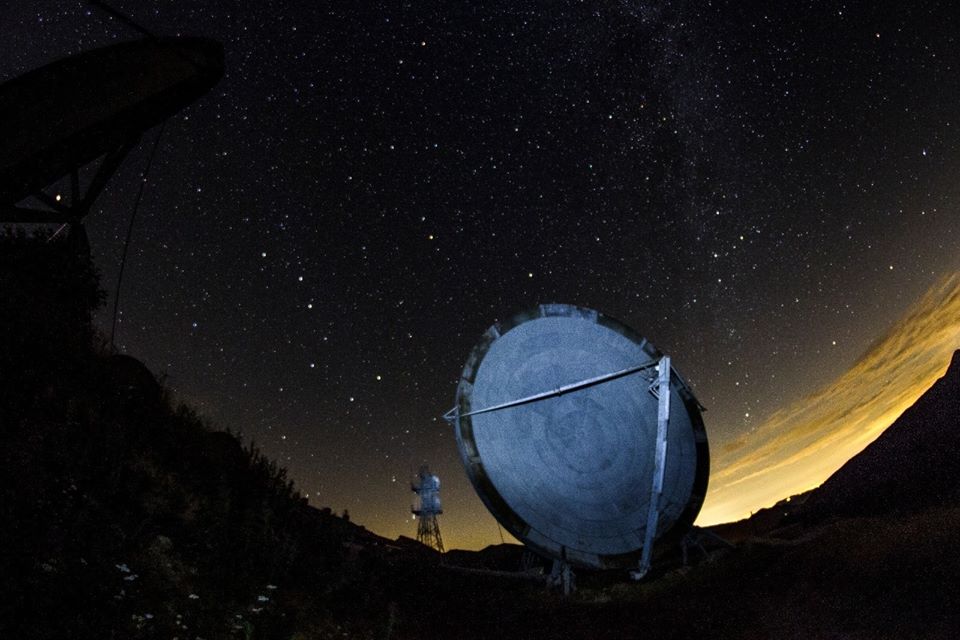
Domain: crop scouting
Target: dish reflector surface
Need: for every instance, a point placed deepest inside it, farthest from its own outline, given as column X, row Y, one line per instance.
column 571, row 474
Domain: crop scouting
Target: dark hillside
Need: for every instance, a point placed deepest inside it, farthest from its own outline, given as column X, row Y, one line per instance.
column 115, row 504
column 912, row 466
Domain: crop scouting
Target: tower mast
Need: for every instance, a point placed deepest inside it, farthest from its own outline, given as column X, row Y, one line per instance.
column 427, row 488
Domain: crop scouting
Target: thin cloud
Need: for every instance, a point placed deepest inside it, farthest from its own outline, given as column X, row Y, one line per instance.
column 798, row 448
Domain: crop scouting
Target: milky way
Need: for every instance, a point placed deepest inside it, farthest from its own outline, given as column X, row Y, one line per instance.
column 760, row 190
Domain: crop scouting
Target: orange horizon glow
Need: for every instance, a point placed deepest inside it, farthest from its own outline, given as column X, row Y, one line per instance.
column 800, row 446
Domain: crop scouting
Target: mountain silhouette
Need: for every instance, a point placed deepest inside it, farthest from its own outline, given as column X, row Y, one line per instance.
column 912, row 466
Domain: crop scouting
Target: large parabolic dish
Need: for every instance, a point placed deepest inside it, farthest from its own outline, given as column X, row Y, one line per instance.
column 556, row 420
column 72, row 111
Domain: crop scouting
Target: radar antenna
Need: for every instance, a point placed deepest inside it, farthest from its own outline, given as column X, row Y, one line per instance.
column 581, row 439
column 89, row 108
column 427, row 488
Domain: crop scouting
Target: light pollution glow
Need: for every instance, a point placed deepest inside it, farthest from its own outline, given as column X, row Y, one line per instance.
column 800, row 446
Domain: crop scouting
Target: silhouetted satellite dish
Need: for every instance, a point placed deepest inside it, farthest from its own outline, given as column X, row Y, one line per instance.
column 62, row 116
column 558, row 424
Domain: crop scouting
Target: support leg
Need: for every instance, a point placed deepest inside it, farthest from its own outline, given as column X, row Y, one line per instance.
column 659, row 465
column 562, row 577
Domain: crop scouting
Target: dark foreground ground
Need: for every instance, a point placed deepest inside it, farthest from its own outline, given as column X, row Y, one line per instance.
column 124, row 516
column 851, row 578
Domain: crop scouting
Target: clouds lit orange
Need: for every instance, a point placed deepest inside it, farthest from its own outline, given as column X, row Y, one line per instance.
column 798, row 447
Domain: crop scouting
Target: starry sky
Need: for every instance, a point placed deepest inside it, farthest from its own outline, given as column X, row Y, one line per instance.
column 767, row 191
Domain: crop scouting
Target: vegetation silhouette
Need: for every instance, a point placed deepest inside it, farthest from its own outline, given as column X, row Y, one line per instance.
column 115, row 503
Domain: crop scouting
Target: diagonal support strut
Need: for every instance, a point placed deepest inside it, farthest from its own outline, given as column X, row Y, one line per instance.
column 659, row 466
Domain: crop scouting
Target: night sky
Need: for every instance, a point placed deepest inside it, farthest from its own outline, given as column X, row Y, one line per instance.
column 763, row 190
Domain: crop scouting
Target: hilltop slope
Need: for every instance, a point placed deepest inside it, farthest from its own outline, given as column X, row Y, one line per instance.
column 912, row 466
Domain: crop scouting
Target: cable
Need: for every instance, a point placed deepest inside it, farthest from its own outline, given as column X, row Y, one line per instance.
column 126, row 243
column 127, row 20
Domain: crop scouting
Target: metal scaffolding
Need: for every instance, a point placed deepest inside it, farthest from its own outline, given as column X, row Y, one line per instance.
column 427, row 488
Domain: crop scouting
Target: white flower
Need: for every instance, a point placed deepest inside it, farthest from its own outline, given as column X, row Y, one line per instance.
column 271, row 586
column 263, row 599
column 123, row 568
column 193, row 596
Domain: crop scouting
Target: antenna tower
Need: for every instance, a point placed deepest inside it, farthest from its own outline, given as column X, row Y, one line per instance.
column 427, row 488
